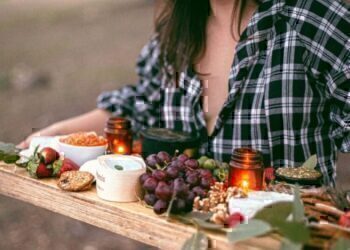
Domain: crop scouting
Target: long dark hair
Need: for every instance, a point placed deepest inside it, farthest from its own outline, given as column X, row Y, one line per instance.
column 181, row 26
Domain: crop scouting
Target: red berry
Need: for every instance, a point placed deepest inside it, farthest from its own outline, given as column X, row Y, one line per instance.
column 344, row 220
column 234, row 219
column 48, row 155
column 43, row 171
column 269, row 174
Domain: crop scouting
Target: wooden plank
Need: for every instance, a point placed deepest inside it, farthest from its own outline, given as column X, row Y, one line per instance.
column 131, row 220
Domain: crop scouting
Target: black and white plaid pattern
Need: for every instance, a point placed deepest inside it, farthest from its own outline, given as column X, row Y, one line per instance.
column 289, row 88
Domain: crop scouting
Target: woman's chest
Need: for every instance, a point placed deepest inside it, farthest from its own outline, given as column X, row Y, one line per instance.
column 214, row 69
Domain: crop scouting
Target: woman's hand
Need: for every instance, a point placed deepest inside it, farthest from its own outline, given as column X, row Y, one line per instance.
column 91, row 121
column 48, row 131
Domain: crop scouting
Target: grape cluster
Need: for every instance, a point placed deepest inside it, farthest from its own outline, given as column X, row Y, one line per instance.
column 177, row 176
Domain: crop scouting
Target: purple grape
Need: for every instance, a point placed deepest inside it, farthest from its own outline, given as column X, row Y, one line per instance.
column 150, row 184
column 152, row 160
column 150, row 199
column 180, row 187
column 182, row 158
column 190, row 196
column 192, row 163
column 172, row 172
column 164, row 157
column 144, row 177
column 173, row 164
column 205, row 183
column 160, row 207
column 163, row 191
column 205, row 173
column 192, row 179
column 160, row 175
column 189, row 201
column 199, row 191
column 179, row 205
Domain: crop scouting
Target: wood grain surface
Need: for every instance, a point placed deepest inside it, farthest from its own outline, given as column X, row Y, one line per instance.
column 131, row 220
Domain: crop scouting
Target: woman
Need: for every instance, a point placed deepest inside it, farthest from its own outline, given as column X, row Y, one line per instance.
column 272, row 75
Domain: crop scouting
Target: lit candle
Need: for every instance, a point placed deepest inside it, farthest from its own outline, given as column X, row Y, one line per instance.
column 246, row 169
column 245, row 185
column 119, row 135
column 120, row 149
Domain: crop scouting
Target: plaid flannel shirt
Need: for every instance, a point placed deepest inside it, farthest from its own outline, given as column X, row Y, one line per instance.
column 289, row 88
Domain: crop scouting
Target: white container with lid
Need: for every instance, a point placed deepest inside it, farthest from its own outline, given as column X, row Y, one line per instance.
column 117, row 177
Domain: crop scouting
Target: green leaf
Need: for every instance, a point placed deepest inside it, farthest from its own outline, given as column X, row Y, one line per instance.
column 8, row 148
column 278, row 211
column 198, row 241
column 10, row 158
column 341, row 244
column 245, row 231
column 8, row 152
column 294, row 231
column 310, row 163
column 207, row 225
column 289, row 245
column 32, row 167
column 298, row 206
column 56, row 167
column 199, row 215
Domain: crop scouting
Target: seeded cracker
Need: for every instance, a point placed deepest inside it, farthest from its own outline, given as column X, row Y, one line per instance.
column 75, row 181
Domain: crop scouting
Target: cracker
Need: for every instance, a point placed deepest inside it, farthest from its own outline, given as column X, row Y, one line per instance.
column 75, row 181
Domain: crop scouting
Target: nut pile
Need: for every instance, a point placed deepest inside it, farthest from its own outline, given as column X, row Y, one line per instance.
column 217, row 201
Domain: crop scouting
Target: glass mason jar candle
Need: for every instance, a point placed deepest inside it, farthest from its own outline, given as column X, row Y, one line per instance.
column 246, row 169
column 119, row 135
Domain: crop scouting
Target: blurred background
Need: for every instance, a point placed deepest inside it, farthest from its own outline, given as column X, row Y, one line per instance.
column 55, row 58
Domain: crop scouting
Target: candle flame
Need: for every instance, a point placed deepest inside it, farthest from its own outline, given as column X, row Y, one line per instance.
column 120, row 149
column 245, row 186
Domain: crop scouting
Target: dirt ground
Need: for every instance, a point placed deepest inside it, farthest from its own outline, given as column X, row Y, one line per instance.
column 80, row 47
column 55, row 58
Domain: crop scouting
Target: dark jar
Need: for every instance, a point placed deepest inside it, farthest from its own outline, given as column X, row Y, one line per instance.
column 119, row 135
column 246, row 169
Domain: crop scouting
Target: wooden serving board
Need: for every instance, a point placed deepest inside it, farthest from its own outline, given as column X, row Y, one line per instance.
column 131, row 220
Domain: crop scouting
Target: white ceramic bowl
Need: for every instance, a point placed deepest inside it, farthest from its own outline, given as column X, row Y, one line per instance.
column 119, row 185
column 80, row 154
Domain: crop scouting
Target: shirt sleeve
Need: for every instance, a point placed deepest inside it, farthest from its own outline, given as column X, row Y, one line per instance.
column 140, row 102
column 338, row 83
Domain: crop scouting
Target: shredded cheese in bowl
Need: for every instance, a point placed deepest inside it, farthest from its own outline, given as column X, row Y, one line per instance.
column 87, row 139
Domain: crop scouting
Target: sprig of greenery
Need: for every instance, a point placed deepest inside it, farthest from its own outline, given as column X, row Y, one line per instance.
column 8, row 153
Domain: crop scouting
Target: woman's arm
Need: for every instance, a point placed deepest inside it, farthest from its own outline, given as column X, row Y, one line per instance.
column 90, row 121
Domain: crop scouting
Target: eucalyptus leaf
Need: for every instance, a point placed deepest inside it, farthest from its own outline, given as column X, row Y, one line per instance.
column 289, row 245
column 278, row 211
column 298, row 206
column 199, row 215
column 207, row 225
column 245, row 231
column 310, row 163
column 198, row 241
column 294, row 231
column 341, row 244
column 8, row 148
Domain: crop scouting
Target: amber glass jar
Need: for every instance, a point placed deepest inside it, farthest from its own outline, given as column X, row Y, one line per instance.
column 246, row 169
column 119, row 135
